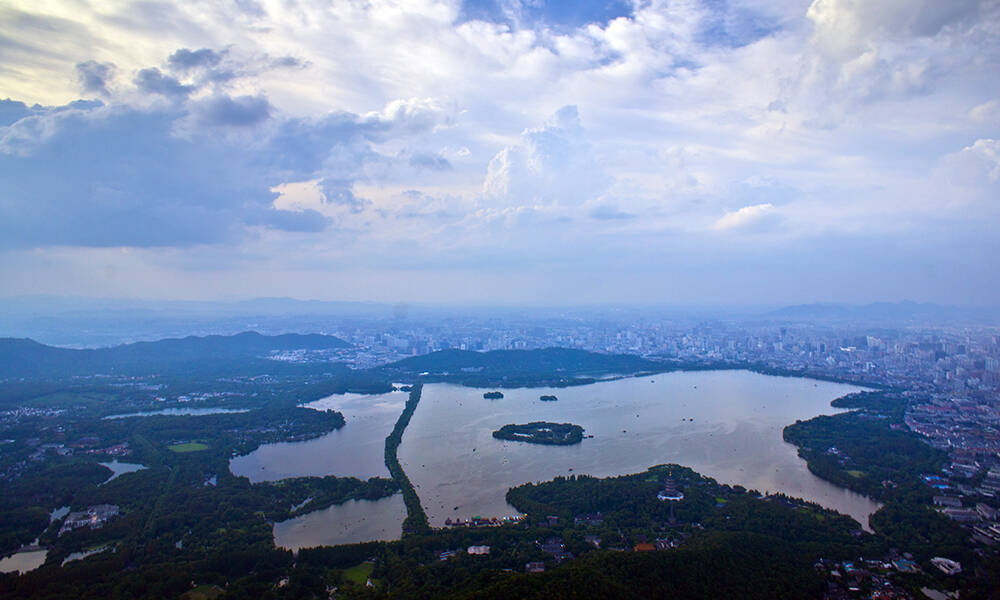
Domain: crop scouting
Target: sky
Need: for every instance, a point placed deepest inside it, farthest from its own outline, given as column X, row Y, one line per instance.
column 502, row 151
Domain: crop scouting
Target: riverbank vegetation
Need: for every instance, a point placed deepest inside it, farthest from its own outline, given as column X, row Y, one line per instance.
column 870, row 451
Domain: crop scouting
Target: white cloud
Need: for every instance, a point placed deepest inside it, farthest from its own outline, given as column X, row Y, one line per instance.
column 748, row 217
column 976, row 163
column 987, row 112
column 550, row 165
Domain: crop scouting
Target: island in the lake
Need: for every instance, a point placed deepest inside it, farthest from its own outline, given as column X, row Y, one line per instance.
column 542, row 432
column 493, row 395
column 547, row 398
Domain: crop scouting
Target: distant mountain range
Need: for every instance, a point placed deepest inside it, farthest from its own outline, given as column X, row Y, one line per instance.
column 21, row 357
column 883, row 311
column 247, row 353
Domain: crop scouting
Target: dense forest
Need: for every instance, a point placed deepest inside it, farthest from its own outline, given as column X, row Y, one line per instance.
column 868, row 451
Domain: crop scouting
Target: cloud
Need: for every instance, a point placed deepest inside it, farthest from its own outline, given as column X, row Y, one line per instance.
column 12, row 111
column 151, row 186
column 184, row 59
column 239, row 111
column 94, row 76
column 297, row 221
column 747, row 218
column 152, row 81
column 409, row 114
column 851, row 25
column 551, row 164
column 339, row 192
column 289, row 62
column 605, row 212
column 976, row 163
column 987, row 112
column 426, row 160
column 847, row 119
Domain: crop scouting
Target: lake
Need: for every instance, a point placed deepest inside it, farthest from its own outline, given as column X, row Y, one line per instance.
column 723, row 424
column 23, row 561
column 348, row 523
column 179, row 412
column 120, row 468
column 355, row 450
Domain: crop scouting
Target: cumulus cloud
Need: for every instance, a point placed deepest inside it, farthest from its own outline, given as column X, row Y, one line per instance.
column 410, row 115
column 551, row 164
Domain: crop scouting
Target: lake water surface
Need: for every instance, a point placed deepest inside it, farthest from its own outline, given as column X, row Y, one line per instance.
column 179, row 412
column 23, row 562
column 120, row 468
column 355, row 450
column 348, row 523
column 723, row 424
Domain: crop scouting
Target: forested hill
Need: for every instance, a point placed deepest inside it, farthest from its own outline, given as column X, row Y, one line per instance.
column 511, row 368
column 28, row 358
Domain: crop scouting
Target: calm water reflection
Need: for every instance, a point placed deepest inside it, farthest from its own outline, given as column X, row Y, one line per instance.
column 179, row 412
column 348, row 523
column 724, row 424
column 23, row 561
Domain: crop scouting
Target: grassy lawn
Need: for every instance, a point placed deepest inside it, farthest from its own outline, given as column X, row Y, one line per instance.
column 359, row 574
column 188, row 447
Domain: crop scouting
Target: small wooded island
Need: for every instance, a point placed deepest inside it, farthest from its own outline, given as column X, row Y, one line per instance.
column 548, row 398
column 542, row 432
column 493, row 395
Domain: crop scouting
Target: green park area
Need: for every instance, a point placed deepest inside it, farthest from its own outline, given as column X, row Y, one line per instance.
column 188, row 447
